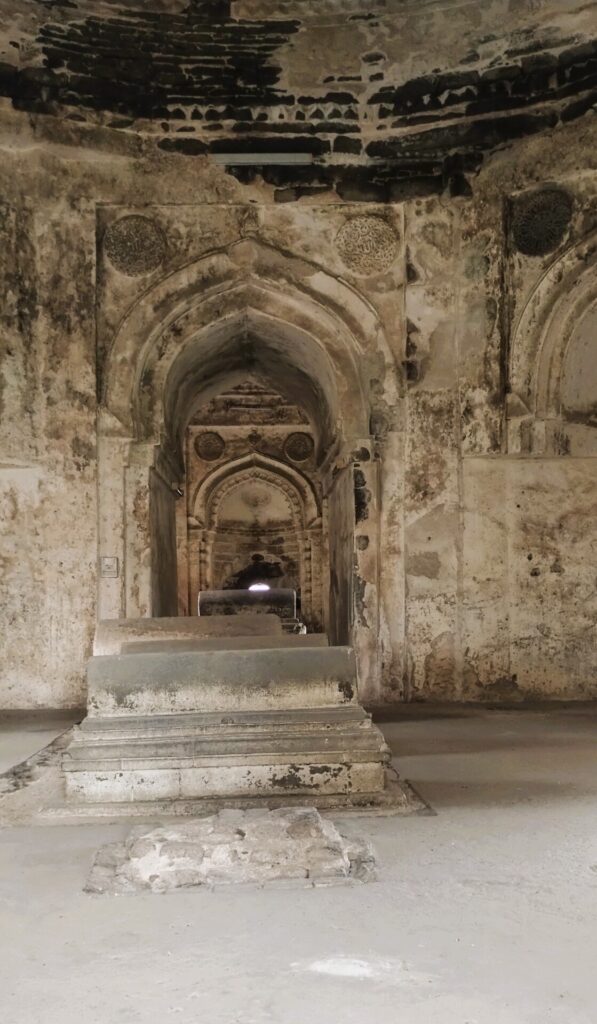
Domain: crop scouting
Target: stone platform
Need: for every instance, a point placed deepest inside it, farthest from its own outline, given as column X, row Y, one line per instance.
column 173, row 725
column 111, row 634
column 242, row 643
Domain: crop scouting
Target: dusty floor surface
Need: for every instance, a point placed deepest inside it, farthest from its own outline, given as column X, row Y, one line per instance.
column 483, row 914
column 24, row 733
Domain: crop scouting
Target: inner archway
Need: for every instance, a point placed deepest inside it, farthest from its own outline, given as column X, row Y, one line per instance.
column 254, row 499
column 251, row 437
column 269, row 333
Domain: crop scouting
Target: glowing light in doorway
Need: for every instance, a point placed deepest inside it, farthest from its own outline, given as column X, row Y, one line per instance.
column 259, row 586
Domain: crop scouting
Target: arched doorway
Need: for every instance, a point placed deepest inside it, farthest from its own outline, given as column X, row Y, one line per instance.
column 254, row 499
column 233, row 323
column 253, row 459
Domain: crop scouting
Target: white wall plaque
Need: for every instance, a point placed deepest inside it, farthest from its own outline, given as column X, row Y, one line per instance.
column 108, row 567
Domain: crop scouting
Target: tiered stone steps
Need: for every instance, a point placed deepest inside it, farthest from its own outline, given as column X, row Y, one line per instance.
column 176, row 718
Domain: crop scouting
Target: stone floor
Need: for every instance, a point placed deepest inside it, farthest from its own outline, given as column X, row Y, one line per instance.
column 483, row 914
column 24, row 733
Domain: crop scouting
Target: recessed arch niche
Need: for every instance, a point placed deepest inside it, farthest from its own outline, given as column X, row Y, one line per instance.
column 255, row 511
column 552, row 364
column 198, row 331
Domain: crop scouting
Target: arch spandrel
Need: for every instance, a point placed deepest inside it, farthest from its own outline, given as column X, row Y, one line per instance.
column 199, row 302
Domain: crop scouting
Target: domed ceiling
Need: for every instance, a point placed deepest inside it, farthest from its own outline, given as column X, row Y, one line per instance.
column 377, row 100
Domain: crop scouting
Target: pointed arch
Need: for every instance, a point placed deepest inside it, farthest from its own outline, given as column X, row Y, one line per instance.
column 198, row 323
column 546, row 328
column 297, row 489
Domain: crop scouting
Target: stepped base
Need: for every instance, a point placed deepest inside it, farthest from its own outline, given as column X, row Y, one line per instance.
column 202, row 755
column 231, row 725
column 395, row 798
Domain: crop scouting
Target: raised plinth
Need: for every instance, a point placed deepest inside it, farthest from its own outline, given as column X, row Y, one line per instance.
column 111, row 634
column 243, row 643
column 237, row 724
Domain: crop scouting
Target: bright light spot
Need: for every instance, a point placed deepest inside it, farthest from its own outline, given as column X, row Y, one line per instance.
column 259, row 586
column 340, row 967
column 385, row 972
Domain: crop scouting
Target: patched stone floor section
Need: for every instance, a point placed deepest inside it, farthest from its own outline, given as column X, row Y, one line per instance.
column 292, row 846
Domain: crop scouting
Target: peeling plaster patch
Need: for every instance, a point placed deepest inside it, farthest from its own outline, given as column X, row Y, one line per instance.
column 504, row 688
column 362, row 496
column 347, row 690
column 22, row 775
column 360, row 591
column 440, row 665
column 427, row 478
column 424, row 563
column 83, row 452
column 438, row 235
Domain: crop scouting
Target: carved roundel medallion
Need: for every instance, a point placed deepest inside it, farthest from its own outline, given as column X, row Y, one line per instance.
column 367, row 245
column 298, row 447
column 135, row 245
column 209, row 446
column 540, row 220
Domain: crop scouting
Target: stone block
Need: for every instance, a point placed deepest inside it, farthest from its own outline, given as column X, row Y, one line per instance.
column 220, row 681
column 292, row 845
column 111, row 634
column 226, row 725
column 241, row 643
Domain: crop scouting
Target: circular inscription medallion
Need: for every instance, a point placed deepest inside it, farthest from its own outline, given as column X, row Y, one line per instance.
column 209, row 446
column 540, row 220
column 367, row 245
column 298, row 447
column 135, row 245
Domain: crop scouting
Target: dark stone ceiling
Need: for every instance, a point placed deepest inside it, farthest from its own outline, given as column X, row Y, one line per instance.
column 208, row 77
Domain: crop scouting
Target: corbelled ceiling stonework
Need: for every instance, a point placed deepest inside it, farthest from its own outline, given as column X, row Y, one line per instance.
column 376, row 101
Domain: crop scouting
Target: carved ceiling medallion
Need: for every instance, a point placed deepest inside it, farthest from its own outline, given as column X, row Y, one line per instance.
column 255, row 497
